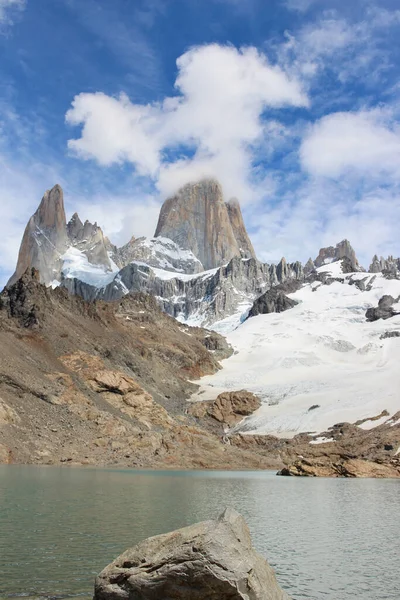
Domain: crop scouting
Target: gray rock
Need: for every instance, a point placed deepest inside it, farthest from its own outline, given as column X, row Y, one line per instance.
column 309, row 267
column 384, row 310
column 198, row 219
column 212, row 560
column 342, row 250
column 389, row 266
column 274, row 300
column 389, row 334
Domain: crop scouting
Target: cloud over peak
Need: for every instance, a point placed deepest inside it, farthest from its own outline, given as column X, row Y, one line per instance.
column 207, row 129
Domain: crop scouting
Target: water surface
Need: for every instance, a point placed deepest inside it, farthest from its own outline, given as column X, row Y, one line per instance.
column 328, row 539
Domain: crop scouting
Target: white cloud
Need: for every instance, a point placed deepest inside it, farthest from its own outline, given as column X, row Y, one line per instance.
column 365, row 142
column 130, row 214
column 222, row 93
column 346, row 48
column 321, row 213
column 6, row 8
column 115, row 130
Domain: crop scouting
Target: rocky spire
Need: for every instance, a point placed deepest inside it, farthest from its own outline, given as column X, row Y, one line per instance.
column 45, row 239
column 309, row 267
column 88, row 237
column 389, row 265
column 239, row 229
column 198, row 219
column 342, row 250
column 74, row 227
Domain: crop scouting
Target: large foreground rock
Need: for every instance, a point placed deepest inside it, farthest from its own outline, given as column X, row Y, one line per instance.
column 213, row 560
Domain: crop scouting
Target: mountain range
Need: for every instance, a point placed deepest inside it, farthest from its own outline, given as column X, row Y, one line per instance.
column 316, row 345
column 200, row 265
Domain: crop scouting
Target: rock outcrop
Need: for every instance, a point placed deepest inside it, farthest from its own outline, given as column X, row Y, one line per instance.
column 274, row 300
column 346, row 450
column 198, row 219
column 390, row 266
column 384, row 310
column 342, row 250
column 309, row 267
column 212, row 560
column 45, row 239
column 229, row 408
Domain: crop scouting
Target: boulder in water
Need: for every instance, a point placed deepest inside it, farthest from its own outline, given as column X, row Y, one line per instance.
column 212, row 560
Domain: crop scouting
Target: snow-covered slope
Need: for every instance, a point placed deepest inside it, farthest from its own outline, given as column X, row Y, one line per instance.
column 75, row 264
column 160, row 253
column 319, row 363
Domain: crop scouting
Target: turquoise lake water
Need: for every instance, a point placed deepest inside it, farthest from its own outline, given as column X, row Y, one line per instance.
column 328, row 539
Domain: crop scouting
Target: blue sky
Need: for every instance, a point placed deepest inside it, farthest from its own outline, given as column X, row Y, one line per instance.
column 292, row 104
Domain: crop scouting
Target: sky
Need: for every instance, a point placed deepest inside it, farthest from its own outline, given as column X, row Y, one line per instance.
column 293, row 105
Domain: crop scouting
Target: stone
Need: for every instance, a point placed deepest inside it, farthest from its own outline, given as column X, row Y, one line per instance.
column 274, row 300
column 7, row 414
column 198, row 219
column 229, row 408
column 384, row 310
column 212, row 560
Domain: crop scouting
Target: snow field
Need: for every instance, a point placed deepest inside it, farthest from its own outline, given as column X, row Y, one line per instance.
column 322, row 353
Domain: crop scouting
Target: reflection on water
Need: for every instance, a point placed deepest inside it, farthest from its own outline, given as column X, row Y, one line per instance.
column 326, row 538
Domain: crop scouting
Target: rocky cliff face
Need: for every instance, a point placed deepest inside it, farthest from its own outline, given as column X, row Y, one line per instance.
column 161, row 253
column 198, row 219
column 89, row 239
column 200, row 299
column 239, row 230
column 342, row 250
column 45, row 238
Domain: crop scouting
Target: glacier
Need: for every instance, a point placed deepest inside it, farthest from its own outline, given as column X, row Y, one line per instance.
column 317, row 364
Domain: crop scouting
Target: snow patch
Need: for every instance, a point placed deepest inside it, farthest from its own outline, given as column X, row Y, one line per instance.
column 76, row 265
column 321, row 440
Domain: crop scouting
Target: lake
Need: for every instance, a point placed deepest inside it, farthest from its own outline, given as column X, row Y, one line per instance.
column 330, row 539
